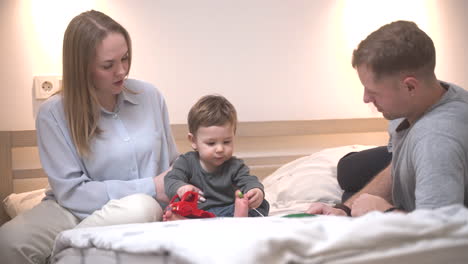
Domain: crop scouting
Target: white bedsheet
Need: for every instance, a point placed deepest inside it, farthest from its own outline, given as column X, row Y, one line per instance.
column 309, row 179
column 423, row 236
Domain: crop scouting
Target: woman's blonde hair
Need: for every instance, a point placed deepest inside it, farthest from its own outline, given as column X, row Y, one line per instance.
column 82, row 109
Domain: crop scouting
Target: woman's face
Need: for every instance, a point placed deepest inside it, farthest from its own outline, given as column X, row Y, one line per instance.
column 110, row 65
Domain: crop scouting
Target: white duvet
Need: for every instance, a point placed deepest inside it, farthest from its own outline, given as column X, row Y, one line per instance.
column 423, row 236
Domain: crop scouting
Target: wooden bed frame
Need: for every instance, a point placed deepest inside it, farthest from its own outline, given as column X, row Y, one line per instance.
column 264, row 146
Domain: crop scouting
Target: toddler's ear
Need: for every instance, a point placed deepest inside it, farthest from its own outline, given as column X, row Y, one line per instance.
column 191, row 139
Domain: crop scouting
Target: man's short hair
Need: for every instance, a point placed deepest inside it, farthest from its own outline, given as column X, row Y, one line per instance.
column 395, row 47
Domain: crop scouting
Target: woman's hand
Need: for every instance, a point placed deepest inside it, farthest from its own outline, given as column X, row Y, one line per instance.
column 159, row 187
column 255, row 197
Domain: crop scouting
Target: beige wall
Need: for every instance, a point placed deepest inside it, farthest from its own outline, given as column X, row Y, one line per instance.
column 274, row 59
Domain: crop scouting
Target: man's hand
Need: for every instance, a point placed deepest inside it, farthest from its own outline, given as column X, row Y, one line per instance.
column 324, row 209
column 190, row 188
column 255, row 197
column 367, row 202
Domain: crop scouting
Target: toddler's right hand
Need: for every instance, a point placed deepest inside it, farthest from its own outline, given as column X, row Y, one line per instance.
column 191, row 188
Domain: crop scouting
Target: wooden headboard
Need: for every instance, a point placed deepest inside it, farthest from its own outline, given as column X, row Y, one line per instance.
column 264, row 146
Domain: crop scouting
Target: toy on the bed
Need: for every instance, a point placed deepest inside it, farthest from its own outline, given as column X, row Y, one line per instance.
column 188, row 206
column 298, row 215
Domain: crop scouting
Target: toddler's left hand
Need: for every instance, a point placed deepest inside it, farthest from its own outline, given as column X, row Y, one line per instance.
column 255, row 197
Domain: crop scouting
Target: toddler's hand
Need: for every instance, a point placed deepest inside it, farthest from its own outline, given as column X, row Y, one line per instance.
column 255, row 197
column 191, row 188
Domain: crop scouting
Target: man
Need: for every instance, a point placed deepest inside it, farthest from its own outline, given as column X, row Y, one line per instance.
column 428, row 127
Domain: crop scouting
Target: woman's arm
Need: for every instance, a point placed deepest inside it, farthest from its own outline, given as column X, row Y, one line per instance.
column 71, row 184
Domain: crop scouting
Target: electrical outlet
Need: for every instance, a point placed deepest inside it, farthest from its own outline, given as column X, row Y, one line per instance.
column 45, row 86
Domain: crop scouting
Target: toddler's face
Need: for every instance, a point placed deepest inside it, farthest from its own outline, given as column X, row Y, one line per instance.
column 215, row 144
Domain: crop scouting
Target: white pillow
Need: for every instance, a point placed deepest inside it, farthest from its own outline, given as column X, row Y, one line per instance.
column 295, row 185
column 16, row 203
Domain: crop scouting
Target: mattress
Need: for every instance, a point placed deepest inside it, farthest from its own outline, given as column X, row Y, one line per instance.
column 422, row 236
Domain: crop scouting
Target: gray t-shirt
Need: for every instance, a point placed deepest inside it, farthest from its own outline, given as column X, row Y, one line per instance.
column 218, row 187
column 430, row 158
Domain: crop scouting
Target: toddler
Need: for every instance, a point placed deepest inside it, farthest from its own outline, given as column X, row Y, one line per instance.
column 210, row 169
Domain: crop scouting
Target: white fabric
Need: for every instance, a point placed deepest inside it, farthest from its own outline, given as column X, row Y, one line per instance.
column 135, row 208
column 16, row 203
column 295, row 185
column 114, row 212
column 423, row 236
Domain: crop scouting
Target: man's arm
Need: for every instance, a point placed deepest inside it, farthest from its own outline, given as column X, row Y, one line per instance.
column 380, row 186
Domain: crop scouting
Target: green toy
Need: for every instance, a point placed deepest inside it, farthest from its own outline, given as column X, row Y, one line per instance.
column 298, row 215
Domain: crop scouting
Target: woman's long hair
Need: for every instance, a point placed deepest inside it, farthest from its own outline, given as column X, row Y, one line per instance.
column 82, row 109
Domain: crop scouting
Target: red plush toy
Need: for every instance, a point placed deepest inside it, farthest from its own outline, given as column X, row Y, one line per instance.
column 188, row 206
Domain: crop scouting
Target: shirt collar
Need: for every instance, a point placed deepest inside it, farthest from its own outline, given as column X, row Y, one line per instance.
column 127, row 95
column 124, row 96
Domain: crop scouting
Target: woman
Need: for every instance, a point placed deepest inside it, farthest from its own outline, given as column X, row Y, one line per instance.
column 102, row 141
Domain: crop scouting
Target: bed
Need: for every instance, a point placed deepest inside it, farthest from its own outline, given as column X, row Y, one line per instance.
column 296, row 161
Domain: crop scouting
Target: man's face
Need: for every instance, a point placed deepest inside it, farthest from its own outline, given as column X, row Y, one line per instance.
column 387, row 93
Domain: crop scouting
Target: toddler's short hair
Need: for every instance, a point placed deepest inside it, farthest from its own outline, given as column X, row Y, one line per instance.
column 211, row 110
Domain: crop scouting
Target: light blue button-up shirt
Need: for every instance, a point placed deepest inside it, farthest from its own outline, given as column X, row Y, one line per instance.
column 136, row 144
